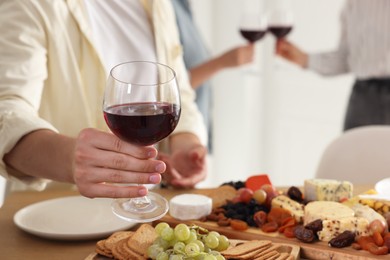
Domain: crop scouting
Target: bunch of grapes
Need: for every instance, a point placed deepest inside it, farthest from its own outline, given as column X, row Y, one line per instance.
column 187, row 242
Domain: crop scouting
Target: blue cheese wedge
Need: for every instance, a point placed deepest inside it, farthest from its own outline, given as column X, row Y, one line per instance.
column 295, row 208
column 326, row 210
column 328, row 190
column 190, row 206
column 333, row 227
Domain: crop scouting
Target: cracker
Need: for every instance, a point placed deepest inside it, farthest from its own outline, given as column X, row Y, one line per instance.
column 283, row 256
column 102, row 250
column 142, row 239
column 245, row 248
column 131, row 254
column 118, row 252
column 115, row 237
column 271, row 255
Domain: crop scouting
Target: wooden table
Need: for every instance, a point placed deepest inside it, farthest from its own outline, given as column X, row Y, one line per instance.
column 16, row 244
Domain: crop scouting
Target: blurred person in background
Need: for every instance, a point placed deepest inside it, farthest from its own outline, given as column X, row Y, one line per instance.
column 200, row 64
column 364, row 51
column 55, row 58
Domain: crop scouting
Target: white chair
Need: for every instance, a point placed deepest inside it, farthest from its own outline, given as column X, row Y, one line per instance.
column 360, row 155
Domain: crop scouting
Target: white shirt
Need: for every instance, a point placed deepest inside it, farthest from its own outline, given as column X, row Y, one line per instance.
column 364, row 47
column 126, row 22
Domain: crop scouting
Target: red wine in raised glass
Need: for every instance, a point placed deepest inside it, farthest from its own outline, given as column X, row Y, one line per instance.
column 280, row 31
column 252, row 35
column 142, row 123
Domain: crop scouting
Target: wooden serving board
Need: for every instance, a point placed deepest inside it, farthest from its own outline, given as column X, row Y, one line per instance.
column 293, row 250
column 316, row 250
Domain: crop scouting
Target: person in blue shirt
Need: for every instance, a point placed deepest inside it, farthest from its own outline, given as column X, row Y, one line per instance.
column 200, row 64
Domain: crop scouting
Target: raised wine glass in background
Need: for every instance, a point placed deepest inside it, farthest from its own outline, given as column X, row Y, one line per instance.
column 253, row 26
column 280, row 24
column 141, row 106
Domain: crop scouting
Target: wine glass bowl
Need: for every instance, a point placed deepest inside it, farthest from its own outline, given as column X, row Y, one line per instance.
column 141, row 106
column 280, row 22
column 253, row 26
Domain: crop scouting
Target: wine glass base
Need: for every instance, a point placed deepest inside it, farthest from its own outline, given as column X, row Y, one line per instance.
column 125, row 209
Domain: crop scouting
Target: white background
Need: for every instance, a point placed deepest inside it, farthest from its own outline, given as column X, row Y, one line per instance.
column 279, row 119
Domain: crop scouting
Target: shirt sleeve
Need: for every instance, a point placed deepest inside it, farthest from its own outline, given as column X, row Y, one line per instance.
column 22, row 73
column 334, row 62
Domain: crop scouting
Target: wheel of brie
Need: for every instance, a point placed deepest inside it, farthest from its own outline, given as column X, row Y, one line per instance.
column 190, row 206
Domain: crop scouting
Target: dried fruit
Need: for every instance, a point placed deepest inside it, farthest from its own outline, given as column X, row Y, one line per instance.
column 237, row 224
column 343, row 240
column 304, row 234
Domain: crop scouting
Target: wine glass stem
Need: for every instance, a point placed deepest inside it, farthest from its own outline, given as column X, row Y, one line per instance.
column 140, row 202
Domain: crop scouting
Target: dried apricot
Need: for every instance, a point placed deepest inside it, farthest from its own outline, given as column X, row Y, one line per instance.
column 270, row 227
column 237, row 224
column 378, row 239
column 278, row 215
column 377, row 250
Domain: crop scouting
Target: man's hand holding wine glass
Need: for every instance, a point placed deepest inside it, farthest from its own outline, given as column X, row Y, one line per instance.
column 101, row 160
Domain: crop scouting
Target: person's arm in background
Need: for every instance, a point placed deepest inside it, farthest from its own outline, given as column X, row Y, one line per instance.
column 233, row 58
column 325, row 63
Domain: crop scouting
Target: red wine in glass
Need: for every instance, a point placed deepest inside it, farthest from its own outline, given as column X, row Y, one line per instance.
column 280, row 31
column 142, row 123
column 252, row 35
column 141, row 106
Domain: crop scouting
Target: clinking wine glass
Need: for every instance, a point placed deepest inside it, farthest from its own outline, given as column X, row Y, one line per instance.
column 280, row 22
column 253, row 26
column 141, row 106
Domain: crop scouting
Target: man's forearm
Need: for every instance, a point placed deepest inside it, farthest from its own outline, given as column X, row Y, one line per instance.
column 44, row 154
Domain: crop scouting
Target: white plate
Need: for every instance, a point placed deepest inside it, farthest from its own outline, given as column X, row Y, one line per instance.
column 71, row 218
column 383, row 187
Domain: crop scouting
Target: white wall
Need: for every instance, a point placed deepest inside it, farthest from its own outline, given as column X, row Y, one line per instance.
column 279, row 119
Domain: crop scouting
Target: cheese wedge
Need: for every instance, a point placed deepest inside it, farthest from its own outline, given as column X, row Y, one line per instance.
column 326, row 210
column 329, row 190
column 333, row 227
column 295, row 208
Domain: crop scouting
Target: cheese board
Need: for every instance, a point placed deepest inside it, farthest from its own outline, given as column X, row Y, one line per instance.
column 293, row 250
column 316, row 250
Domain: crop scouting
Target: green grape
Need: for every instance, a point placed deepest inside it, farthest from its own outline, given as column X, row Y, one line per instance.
column 162, row 256
column 200, row 244
column 193, row 236
column 160, row 226
column 182, row 232
column 211, row 241
column 209, row 257
column 176, row 257
column 167, row 233
column 215, row 233
column 192, row 249
column 162, row 242
column 223, row 243
column 154, row 250
column 220, row 257
column 179, row 247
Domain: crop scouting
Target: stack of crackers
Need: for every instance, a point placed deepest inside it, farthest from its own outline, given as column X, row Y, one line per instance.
column 123, row 245
column 257, row 250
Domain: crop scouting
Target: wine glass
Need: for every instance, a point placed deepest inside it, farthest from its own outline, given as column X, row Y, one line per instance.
column 141, row 106
column 280, row 22
column 253, row 26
